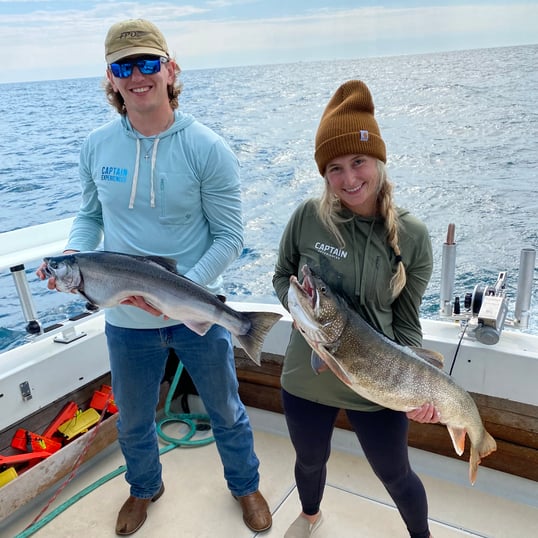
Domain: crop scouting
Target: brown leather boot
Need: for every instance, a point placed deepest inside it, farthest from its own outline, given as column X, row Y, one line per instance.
column 256, row 513
column 133, row 513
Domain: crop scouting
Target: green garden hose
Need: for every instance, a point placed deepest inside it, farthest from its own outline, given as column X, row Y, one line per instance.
column 195, row 421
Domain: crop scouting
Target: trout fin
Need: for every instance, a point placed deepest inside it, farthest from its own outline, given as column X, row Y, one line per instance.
column 335, row 367
column 261, row 324
column 486, row 447
column 433, row 357
column 458, row 438
column 316, row 363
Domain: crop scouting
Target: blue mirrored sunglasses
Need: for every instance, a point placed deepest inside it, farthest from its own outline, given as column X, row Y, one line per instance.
column 147, row 66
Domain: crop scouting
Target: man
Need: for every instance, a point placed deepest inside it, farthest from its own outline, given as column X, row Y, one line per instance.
column 157, row 182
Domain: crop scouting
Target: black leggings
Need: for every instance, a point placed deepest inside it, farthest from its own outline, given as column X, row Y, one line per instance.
column 383, row 437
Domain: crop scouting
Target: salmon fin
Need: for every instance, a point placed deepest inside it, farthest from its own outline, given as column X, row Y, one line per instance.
column 433, row 357
column 166, row 263
column 261, row 324
column 486, row 447
column 80, row 291
column 198, row 327
column 458, row 438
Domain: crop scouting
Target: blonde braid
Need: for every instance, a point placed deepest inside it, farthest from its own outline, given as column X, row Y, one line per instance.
column 328, row 208
column 387, row 210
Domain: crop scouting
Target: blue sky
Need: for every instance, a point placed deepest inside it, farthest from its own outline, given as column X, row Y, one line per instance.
column 45, row 39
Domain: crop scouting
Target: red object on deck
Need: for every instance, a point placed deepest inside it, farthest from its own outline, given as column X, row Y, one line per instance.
column 23, row 458
column 103, row 397
column 32, row 443
column 67, row 413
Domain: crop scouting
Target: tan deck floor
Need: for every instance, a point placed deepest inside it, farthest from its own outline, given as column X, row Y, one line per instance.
column 197, row 504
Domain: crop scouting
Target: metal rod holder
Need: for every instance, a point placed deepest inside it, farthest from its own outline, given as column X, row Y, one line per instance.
column 25, row 298
column 524, row 288
column 448, row 269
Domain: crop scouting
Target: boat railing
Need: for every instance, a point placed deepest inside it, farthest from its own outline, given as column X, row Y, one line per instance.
column 25, row 245
column 482, row 316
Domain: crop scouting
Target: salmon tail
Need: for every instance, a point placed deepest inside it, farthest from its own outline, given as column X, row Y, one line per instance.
column 487, row 446
column 261, row 324
column 458, row 438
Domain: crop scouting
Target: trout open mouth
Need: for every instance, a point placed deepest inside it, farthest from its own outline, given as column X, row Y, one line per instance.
column 309, row 290
column 306, row 288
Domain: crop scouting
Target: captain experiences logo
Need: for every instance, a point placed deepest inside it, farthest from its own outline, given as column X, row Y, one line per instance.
column 111, row 173
column 329, row 250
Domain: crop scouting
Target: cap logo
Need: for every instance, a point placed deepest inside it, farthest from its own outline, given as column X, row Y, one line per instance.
column 364, row 135
column 133, row 34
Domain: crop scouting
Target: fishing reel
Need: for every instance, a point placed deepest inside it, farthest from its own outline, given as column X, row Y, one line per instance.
column 484, row 310
column 487, row 309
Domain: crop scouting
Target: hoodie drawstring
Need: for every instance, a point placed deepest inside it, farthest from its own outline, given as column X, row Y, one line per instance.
column 365, row 257
column 153, row 160
column 136, row 170
column 135, row 175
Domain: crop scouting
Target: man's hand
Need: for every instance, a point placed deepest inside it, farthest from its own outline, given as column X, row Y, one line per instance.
column 51, row 284
column 427, row 414
column 138, row 301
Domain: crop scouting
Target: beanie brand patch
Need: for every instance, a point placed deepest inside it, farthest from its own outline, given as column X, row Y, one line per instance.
column 364, row 135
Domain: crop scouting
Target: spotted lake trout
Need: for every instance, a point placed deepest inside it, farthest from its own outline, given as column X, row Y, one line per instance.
column 380, row 370
column 105, row 279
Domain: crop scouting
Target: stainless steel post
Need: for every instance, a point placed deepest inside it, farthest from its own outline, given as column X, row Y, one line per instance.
column 527, row 263
column 25, row 297
column 448, row 268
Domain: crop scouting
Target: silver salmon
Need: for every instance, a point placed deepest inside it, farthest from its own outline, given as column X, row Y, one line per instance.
column 378, row 369
column 105, row 279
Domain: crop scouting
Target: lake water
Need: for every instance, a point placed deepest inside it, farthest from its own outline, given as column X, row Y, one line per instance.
column 461, row 130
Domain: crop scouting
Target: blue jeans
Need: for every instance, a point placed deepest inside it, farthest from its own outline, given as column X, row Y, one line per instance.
column 138, row 360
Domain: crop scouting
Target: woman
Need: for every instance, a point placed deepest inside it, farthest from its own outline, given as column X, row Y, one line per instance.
column 379, row 258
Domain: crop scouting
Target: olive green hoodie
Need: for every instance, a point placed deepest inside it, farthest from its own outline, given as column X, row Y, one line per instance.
column 361, row 272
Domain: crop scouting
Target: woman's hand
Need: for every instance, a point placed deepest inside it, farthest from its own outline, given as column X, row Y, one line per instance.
column 427, row 414
column 138, row 301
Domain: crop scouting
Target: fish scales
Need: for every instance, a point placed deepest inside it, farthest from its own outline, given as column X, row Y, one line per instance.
column 161, row 288
column 106, row 279
column 380, row 370
column 385, row 370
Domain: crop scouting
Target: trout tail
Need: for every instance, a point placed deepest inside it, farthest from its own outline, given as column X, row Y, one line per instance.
column 487, row 446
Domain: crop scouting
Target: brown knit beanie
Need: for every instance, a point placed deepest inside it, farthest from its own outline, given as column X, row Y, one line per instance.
column 348, row 126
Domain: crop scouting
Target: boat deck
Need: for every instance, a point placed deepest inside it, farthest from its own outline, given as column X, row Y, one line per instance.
column 197, row 504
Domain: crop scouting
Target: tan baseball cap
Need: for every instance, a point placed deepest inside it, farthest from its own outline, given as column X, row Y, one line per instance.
column 133, row 37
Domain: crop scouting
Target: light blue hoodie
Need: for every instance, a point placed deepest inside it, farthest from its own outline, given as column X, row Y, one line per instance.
column 176, row 195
